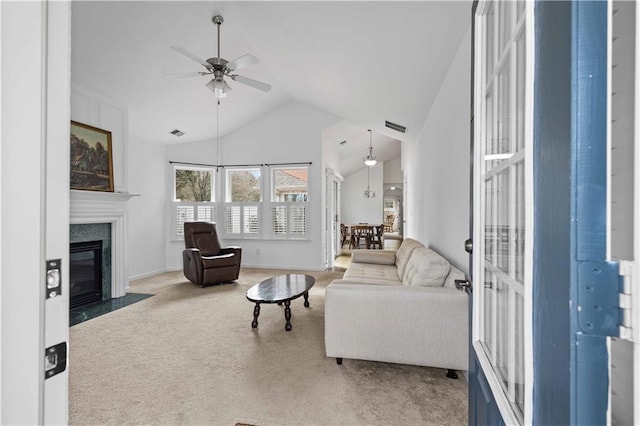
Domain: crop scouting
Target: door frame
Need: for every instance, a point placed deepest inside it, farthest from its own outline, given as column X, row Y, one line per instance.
column 332, row 217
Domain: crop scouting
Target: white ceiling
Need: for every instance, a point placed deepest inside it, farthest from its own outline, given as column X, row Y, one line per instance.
column 366, row 62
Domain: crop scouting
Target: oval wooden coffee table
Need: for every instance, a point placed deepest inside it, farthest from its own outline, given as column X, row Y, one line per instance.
column 280, row 289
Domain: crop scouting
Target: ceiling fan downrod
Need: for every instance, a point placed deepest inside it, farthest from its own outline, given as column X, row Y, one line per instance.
column 218, row 20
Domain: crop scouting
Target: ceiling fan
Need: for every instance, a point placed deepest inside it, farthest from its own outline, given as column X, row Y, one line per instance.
column 219, row 68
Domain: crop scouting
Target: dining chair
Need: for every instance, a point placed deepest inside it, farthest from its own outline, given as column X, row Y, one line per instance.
column 361, row 234
column 344, row 234
column 377, row 237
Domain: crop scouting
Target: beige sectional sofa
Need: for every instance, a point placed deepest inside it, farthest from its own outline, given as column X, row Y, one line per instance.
column 399, row 306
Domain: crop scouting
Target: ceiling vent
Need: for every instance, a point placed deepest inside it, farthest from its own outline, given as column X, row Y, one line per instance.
column 177, row 132
column 396, row 127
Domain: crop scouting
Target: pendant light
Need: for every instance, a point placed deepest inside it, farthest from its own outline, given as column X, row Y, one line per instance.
column 368, row 193
column 370, row 160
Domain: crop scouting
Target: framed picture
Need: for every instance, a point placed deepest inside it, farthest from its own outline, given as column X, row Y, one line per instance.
column 91, row 160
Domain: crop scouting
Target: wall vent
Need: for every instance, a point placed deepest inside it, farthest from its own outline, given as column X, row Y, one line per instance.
column 396, row 127
column 177, row 132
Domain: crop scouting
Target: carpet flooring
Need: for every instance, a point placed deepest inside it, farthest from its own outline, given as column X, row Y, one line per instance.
column 188, row 355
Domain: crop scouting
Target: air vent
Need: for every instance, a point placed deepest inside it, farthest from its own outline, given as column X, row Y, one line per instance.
column 396, row 127
column 177, row 132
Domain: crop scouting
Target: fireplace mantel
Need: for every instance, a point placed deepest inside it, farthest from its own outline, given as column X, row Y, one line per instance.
column 106, row 207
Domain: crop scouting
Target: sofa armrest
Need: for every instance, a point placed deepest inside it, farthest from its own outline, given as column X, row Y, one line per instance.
column 409, row 325
column 378, row 257
column 192, row 265
column 237, row 250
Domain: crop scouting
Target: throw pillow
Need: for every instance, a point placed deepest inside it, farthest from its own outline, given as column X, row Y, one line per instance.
column 426, row 269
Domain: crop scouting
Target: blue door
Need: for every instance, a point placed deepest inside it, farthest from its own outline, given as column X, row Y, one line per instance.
column 545, row 296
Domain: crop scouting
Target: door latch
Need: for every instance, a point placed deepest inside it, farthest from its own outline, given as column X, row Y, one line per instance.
column 53, row 281
column 463, row 285
column 55, row 359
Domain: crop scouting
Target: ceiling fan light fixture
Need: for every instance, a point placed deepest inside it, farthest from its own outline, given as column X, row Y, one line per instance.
column 217, row 88
column 370, row 160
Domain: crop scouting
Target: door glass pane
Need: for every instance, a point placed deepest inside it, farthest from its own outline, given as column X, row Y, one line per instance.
column 519, row 354
column 504, row 110
column 504, row 29
column 520, row 80
column 489, row 286
column 490, row 239
column 520, row 4
column 502, row 335
column 490, row 39
column 501, row 229
column 518, row 232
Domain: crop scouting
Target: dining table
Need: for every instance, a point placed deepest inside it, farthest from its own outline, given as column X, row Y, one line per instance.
column 361, row 231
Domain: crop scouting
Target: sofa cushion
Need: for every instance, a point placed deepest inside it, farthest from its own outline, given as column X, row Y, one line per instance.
column 425, row 268
column 385, row 274
column 380, row 257
column 404, row 253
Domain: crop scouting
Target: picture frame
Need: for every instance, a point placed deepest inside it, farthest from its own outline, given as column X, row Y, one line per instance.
column 91, row 158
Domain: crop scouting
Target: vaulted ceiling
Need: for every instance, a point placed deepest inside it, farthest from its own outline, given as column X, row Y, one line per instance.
column 366, row 62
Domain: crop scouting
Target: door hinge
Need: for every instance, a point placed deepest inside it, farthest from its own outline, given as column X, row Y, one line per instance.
column 628, row 318
column 598, row 304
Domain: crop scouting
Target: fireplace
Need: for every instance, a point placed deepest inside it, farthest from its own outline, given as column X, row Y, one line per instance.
column 85, row 273
column 107, row 210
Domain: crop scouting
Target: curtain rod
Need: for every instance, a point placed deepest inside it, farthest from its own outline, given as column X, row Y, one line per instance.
column 193, row 164
column 240, row 165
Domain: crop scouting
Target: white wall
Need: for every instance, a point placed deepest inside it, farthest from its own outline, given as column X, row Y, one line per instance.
column 355, row 207
column 393, row 171
column 146, row 212
column 437, row 166
column 100, row 111
column 292, row 133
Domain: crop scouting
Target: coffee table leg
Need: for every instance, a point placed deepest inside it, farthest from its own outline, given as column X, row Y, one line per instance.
column 287, row 314
column 306, row 299
column 256, row 312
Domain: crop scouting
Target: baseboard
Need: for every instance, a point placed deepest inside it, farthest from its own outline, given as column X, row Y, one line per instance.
column 152, row 273
column 293, row 268
column 179, row 268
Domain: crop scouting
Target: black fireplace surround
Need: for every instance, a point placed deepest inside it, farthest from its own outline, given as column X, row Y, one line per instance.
column 85, row 273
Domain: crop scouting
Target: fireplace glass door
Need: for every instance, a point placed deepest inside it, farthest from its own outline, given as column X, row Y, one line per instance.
column 85, row 273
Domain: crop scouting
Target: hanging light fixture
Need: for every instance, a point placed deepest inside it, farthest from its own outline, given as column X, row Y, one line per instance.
column 370, row 160
column 368, row 193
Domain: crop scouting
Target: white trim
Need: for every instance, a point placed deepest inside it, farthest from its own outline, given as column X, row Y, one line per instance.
column 608, row 134
column 152, row 273
column 106, row 207
column 635, row 314
column 529, row 222
column 1, row 209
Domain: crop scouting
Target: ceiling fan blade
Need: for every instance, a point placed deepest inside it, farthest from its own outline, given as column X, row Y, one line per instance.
column 251, row 82
column 186, row 74
column 190, row 56
column 242, row 62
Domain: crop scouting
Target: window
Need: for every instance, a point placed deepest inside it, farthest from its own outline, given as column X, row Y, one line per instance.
column 193, row 198
column 289, row 201
column 243, row 201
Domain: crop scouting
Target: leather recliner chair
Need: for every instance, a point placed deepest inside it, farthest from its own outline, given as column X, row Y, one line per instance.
column 204, row 261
